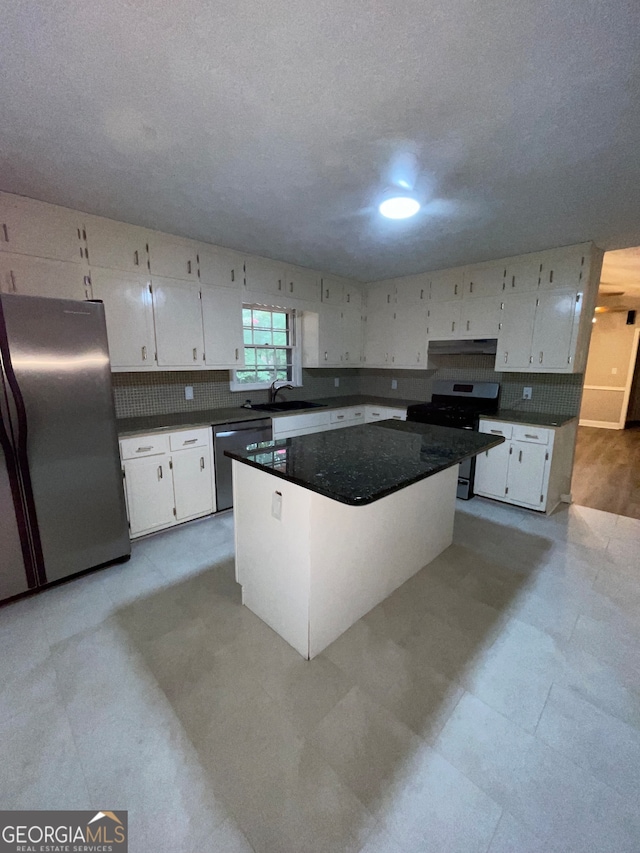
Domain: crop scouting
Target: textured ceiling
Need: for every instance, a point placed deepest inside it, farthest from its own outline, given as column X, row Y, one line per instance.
column 271, row 127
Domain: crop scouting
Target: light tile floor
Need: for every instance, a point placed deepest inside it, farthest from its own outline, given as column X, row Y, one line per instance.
column 492, row 703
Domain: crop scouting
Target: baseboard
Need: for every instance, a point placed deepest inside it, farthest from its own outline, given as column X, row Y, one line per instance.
column 601, row 424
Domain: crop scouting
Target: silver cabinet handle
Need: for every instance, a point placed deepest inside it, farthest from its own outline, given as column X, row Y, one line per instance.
column 195, row 353
column 468, row 323
column 136, row 259
column 497, row 431
column 455, row 290
column 5, row 232
column 453, row 326
column 326, row 293
column 144, row 449
column 470, row 287
column 159, row 472
column 339, row 417
column 528, row 435
column 506, row 355
column 346, row 355
column 13, row 282
column 520, row 456
column 541, row 354
column 279, row 284
column 290, row 287
column 375, row 414
column 189, row 267
column 190, row 441
column 348, row 298
column 237, row 356
column 144, row 353
column 326, row 356
column 422, row 294
column 202, row 463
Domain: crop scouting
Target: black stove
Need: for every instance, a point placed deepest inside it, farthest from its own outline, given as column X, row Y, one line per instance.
column 458, row 405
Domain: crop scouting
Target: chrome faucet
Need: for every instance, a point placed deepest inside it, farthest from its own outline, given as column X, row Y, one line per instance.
column 273, row 391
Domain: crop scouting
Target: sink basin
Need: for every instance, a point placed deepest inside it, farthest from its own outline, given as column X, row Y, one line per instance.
column 288, row 406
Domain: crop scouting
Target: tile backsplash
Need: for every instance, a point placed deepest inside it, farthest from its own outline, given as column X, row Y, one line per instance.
column 139, row 394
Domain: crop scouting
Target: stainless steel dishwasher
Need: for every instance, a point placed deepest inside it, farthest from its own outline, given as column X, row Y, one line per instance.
column 234, row 437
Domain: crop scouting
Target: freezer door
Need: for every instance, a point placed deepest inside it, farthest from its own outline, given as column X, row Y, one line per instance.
column 60, row 360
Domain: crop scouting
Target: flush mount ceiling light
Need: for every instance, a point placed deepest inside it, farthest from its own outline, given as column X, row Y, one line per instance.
column 399, row 205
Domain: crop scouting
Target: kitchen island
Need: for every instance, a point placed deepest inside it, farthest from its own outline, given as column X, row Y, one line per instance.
column 328, row 525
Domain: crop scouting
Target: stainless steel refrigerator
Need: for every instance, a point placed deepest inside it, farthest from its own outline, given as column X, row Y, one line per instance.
column 61, row 499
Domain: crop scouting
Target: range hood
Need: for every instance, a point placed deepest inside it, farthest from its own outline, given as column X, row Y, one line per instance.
column 487, row 346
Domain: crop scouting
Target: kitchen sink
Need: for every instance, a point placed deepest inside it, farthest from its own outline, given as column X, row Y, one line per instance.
column 288, row 406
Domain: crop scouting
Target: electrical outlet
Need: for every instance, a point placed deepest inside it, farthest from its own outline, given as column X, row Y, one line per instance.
column 526, row 393
column 394, row 384
column 336, row 382
column 188, row 392
column 614, row 369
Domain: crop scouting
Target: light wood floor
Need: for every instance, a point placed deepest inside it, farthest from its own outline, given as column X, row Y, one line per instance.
column 606, row 475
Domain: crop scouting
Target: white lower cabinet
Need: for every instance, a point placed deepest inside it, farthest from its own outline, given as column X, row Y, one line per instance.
column 383, row 413
column 532, row 468
column 168, row 478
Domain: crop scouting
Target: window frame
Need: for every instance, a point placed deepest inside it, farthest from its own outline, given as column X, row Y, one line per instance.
column 293, row 346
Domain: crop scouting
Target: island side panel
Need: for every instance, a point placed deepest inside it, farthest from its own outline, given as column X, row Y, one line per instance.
column 272, row 555
column 360, row 555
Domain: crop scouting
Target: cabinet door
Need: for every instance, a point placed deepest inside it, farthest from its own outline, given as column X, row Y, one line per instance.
column 129, row 314
column 379, row 316
column 149, row 488
column 41, row 277
column 447, row 285
column 222, row 324
column 484, row 280
column 116, row 245
column 480, row 318
column 352, row 296
column 491, row 471
column 551, row 347
column 331, row 290
column 525, row 478
column 443, row 321
column 178, row 317
column 192, row 483
column 43, row 230
column 409, row 332
column 171, row 258
column 412, row 291
column 301, row 284
column 330, row 338
column 264, row 276
column 516, row 335
column 352, row 335
column 221, row 267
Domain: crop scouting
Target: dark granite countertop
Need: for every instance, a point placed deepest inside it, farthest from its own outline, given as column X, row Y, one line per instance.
column 531, row 418
column 213, row 417
column 360, row 464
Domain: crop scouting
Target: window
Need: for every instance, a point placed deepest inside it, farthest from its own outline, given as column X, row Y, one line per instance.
column 270, row 352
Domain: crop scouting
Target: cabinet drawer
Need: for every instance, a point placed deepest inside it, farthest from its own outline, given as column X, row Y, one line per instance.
column 144, row 445
column 531, row 434
column 295, row 422
column 341, row 416
column 496, row 428
column 189, row 438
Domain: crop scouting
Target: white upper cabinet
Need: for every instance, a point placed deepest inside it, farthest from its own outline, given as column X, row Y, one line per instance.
column 566, row 267
column 116, row 245
column 447, row 284
column 412, row 291
column 352, row 295
column 221, row 267
column 129, row 314
column 409, row 347
column 300, row 283
column 331, row 290
column 171, row 257
column 222, row 324
column 516, row 335
column 480, row 318
column 483, row 280
column 263, row 275
column 44, row 230
column 178, row 318
column 352, row 335
column 380, row 303
column 42, row 277
column 444, row 320
column 522, row 274
column 552, row 334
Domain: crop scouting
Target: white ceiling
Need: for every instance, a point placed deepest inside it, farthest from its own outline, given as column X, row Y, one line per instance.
column 270, row 127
